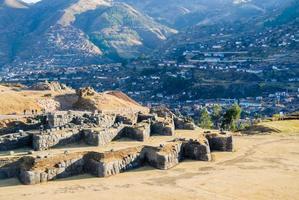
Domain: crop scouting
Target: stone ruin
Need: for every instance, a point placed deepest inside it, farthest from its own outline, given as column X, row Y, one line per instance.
column 97, row 129
column 53, row 86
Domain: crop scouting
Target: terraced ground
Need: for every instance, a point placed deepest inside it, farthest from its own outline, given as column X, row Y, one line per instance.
column 262, row 167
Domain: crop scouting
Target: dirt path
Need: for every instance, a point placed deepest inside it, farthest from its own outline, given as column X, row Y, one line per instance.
column 263, row 167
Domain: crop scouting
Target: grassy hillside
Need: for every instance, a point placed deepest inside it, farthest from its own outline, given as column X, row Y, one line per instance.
column 286, row 127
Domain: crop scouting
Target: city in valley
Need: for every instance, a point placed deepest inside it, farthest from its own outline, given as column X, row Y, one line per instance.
column 127, row 99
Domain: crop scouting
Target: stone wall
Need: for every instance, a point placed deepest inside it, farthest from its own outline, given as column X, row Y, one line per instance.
column 46, row 140
column 163, row 127
column 105, row 121
column 47, row 169
column 161, row 111
column 15, row 140
column 9, row 167
column 111, row 163
column 129, row 119
column 103, row 164
column 146, row 117
column 61, row 118
column 101, row 137
column 197, row 150
column 139, row 132
column 58, row 119
column 184, row 123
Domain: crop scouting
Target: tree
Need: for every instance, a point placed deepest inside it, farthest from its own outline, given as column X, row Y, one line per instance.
column 216, row 115
column 231, row 117
column 205, row 119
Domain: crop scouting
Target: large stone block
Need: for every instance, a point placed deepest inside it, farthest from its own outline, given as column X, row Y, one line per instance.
column 139, row 132
column 220, row 142
column 184, row 123
column 162, row 128
column 164, row 157
column 111, row 163
column 197, row 150
column 101, row 137
column 46, row 169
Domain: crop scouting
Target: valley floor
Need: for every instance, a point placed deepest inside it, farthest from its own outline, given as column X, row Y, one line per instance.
column 262, row 167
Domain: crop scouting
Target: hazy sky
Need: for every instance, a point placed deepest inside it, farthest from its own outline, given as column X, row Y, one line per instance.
column 31, row 1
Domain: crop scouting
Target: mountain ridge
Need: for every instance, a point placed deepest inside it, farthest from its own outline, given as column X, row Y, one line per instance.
column 51, row 29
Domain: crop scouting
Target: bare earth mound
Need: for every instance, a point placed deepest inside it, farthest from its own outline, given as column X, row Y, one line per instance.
column 115, row 102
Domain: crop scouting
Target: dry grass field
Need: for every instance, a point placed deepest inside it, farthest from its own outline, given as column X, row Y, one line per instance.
column 285, row 127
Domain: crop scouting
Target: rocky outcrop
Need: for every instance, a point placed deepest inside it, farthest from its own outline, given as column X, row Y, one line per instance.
column 85, row 92
column 220, row 142
column 49, row 139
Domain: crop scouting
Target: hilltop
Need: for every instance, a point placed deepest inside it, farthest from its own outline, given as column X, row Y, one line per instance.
column 54, row 96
